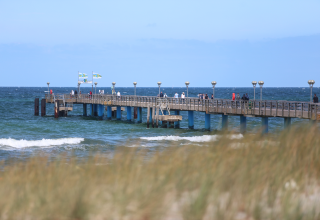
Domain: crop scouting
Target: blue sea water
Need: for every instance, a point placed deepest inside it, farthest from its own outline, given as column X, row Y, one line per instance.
column 23, row 134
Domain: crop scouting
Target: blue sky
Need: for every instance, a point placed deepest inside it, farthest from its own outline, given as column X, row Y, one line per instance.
column 231, row 42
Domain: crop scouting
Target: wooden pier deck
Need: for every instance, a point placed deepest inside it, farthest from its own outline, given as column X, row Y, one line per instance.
column 167, row 110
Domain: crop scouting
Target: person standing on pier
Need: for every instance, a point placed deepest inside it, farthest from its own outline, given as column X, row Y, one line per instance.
column 247, row 97
column 315, row 99
column 161, row 95
column 118, row 94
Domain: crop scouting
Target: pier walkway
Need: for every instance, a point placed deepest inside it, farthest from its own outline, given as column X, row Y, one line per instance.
column 168, row 109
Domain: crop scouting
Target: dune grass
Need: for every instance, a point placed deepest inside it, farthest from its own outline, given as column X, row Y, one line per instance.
column 272, row 177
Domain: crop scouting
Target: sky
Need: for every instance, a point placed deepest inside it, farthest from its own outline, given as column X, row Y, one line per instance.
column 231, row 42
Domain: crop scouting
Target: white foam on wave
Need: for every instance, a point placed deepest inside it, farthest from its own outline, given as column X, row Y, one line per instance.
column 204, row 138
column 38, row 143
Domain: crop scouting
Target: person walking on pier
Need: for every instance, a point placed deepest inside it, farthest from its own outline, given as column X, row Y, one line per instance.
column 75, row 93
column 233, row 96
column 315, row 99
column 161, row 95
column 247, row 97
column 118, row 94
column 165, row 95
column 90, row 94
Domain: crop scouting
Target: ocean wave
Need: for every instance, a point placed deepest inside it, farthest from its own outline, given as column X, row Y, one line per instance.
column 204, row 138
column 38, row 143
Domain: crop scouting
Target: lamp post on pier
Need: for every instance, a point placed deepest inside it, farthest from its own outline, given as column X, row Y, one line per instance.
column 311, row 83
column 79, row 88
column 187, row 84
column 95, row 88
column 214, row 83
column 48, row 87
column 260, row 84
column 159, row 84
column 135, row 84
column 113, row 87
column 254, row 83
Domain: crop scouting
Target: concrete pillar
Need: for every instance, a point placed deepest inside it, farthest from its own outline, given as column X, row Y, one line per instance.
column 84, row 110
column 118, row 112
column 191, row 119
column 43, row 107
column 139, row 115
column 135, row 113
column 224, row 122
column 91, row 110
column 243, row 124
column 287, row 122
column 100, row 111
column 264, row 124
column 157, row 116
column 150, row 113
column 109, row 112
column 36, row 106
column 128, row 113
column 95, row 109
column 207, row 121
column 148, row 116
column 153, row 113
column 177, row 123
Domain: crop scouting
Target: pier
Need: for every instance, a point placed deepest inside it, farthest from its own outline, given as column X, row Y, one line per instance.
column 166, row 111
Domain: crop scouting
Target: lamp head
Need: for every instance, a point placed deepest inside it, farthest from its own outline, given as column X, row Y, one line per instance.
column 311, row 82
column 187, row 83
column 254, row 83
column 48, row 83
column 261, row 83
column 95, row 83
column 113, row 83
column 213, row 83
column 134, row 83
column 159, row 83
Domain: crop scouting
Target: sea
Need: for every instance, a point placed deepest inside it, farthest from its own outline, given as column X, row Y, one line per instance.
column 24, row 135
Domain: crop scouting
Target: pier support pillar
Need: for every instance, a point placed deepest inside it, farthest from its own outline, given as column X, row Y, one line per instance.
column 95, row 110
column 207, row 121
column 243, row 124
column 191, row 119
column 84, row 109
column 135, row 113
column 139, row 114
column 129, row 113
column 153, row 115
column 100, row 111
column 43, row 107
column 224, row 122
column 91, row 110
column 287, row 122
column 264, row 124
column 118, row 112
column 36, row 106
column 177, row 123
column 109, row 112
column 148, row 116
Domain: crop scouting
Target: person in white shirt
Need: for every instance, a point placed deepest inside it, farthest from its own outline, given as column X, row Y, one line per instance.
column 165, row 95
column 182, row 97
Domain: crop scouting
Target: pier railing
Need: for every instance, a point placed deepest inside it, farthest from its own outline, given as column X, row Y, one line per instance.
column 264, row 108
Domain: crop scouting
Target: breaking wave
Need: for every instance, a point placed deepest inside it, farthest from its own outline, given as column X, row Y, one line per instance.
column 204, row 138
column 38, row 143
